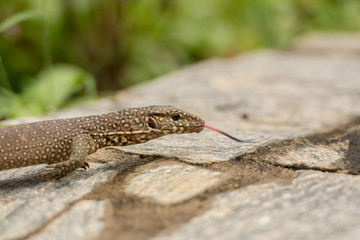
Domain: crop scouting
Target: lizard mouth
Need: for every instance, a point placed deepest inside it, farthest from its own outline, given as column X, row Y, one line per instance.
column 199, row 128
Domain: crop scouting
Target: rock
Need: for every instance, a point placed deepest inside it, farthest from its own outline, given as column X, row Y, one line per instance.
column 334, row 151
column 81, row 221
column 196, row 148
column 171, row 184
column 27, row 204
column 315, row 206
column 329, row 43
column 310, row 156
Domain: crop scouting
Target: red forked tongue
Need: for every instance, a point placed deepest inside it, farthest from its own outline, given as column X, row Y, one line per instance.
column 229, row 136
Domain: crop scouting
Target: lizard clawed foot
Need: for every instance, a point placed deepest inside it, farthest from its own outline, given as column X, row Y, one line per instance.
column 59, row 170
column 52, row 172
column 86, row 165
column 49, row 175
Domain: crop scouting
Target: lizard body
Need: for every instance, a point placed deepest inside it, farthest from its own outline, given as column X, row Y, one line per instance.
column 64, row 144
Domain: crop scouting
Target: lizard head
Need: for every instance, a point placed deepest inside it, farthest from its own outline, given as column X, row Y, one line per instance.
column 138, row 125
column 169, row 120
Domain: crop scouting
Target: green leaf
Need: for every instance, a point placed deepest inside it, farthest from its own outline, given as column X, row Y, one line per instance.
column 55, row 86
column 17, row 18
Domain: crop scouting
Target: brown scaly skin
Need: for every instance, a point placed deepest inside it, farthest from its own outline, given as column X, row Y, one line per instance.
column 64, row 144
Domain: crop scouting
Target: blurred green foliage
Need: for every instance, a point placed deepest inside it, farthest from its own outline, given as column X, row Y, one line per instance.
column 125, row 42
column 50, row 90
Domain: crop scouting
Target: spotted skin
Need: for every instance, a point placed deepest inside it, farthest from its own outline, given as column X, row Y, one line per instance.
column 64, row 144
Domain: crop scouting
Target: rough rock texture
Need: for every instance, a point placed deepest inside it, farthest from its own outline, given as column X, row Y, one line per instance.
column 172, row 183
column 302, row 210
column 333, row 151
column 88, row 222
column 26, row 203
column 330, row 43
column 304, row 106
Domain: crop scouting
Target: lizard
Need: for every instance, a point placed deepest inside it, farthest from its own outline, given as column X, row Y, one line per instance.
column 64, row 144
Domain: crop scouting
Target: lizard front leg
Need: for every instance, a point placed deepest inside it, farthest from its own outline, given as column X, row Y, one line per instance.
column 81, row 148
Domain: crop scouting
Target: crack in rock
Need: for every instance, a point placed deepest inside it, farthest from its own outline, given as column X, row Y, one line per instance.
column 334, row 151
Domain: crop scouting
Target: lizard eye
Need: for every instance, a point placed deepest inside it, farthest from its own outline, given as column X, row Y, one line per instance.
column 175, row 116
column 151, row 123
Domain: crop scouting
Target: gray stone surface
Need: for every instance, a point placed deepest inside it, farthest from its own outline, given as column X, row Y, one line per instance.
column 81, row 221
column 336, row 151
column 197, row 148
column 309, row 155
column 315, row 206
column 329, row 43
column 26, row 203
column 171, row 184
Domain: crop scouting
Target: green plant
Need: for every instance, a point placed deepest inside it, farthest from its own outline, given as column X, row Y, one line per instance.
column 54, row 87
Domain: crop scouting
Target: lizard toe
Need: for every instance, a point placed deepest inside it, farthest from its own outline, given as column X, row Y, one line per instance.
column 49, row 175
column 85, row 166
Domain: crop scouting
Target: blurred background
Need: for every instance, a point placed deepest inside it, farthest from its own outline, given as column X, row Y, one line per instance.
column 55, row 53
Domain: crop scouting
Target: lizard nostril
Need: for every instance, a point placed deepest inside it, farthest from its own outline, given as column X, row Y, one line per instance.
column 151, row 123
